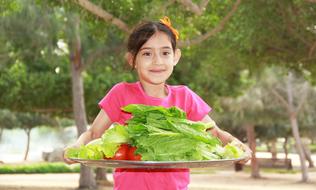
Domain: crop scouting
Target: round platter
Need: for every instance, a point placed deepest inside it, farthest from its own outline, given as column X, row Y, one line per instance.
column 156, row 164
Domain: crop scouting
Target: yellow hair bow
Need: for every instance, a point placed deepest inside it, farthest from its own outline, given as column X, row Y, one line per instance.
column 166, row 21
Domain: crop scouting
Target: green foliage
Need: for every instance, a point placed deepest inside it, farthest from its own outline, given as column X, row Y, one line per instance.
column 313, row 148
column 28, row 80
column 259, row 106
column 35, row 74
column 31, row 120
column 271, row 132
column 7, row 119
column 274, row 32
column 9, row 7
column 24, row 120
column 38, row 168
column 65, row 122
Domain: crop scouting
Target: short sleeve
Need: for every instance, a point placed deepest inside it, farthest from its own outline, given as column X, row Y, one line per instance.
column 111, row 102
column 198, row 107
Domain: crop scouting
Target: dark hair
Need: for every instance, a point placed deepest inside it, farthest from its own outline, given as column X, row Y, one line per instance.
column 143, row 32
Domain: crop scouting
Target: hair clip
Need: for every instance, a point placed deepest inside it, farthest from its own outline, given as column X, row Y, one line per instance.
column 166, row 21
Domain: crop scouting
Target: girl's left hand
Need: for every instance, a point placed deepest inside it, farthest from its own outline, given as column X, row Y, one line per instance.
column 246, row 149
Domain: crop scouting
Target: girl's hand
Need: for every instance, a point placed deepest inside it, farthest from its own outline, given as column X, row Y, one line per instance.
column 67, row 160
column 245, row 148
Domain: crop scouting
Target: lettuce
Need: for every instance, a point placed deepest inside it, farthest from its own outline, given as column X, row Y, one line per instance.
column 118, row 134
column 113, row 138
column 164, row 134
column 106, row 146
column 143, row 110
column 91, row 152
column 231, row 151
column 72, row 152
column 160, row 134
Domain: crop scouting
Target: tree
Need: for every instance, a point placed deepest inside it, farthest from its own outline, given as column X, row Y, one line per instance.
column 43, row 72
column 31, row 66
column 27, row 121
column 270, row 134
column 293, row 108
column 263, row 106
column 307, row 126
column 286, row 40
column 86, row 177
column 245, row 112
column 289, row 93
column 7, row 121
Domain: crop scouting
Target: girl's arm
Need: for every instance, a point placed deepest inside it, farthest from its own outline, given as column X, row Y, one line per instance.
column 226, row 137
column 99, row 125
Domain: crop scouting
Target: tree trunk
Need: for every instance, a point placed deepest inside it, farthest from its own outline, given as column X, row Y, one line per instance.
column 309, row 158
column 273, row 149
column 268, row 146
column 251, row 136
column 86, row 179
column 1, row 132
column 28, row 134
column 295, row 131
column 286, row 152
column 101, row 178
column 307, row 152
column 299, row 147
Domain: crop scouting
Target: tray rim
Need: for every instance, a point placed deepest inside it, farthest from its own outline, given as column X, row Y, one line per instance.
column 156, row 164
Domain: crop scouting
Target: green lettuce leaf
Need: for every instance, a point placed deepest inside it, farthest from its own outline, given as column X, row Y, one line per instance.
column 113, row 138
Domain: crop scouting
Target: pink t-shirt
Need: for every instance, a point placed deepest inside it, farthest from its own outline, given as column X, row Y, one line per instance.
column 123, row 94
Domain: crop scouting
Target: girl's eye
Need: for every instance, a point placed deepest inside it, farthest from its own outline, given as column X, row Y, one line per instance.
column 147, row 54
column 166, row 53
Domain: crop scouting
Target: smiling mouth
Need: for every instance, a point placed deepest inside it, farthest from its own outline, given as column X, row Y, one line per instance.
column 156, row 71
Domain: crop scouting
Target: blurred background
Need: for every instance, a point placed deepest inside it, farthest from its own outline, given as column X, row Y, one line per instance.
column 253, row 62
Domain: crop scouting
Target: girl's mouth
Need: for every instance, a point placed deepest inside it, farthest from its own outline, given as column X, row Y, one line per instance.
column 156, row 70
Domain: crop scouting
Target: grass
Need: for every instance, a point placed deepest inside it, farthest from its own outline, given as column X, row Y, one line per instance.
column 43, row 167
column 313, row 148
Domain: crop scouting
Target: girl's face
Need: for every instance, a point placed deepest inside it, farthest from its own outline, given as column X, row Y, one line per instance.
column 155, row 60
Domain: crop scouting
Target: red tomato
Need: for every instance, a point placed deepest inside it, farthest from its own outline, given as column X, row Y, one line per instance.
column 131, row 154
column 121, row 153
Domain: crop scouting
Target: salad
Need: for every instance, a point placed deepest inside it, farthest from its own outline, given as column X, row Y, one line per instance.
column 156, row 133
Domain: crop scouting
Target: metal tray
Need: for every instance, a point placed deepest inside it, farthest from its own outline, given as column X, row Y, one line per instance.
column 156, row 164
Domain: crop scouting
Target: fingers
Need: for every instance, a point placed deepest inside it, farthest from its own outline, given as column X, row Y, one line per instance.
column 245, row 160
column 67, row 160
column 248, row 156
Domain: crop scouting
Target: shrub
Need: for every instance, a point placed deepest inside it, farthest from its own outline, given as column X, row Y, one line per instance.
column 44, row 167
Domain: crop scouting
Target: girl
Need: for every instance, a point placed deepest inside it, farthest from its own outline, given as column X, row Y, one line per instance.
column 153, row 54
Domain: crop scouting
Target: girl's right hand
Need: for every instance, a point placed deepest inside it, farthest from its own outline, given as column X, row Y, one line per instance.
column 101, row 123
column 67, row 160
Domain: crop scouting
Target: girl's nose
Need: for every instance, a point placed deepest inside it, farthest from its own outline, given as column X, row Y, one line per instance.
column 157, row 59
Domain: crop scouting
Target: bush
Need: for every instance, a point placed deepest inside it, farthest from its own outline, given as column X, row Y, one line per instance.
column 45, row 167
column 313, row 148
